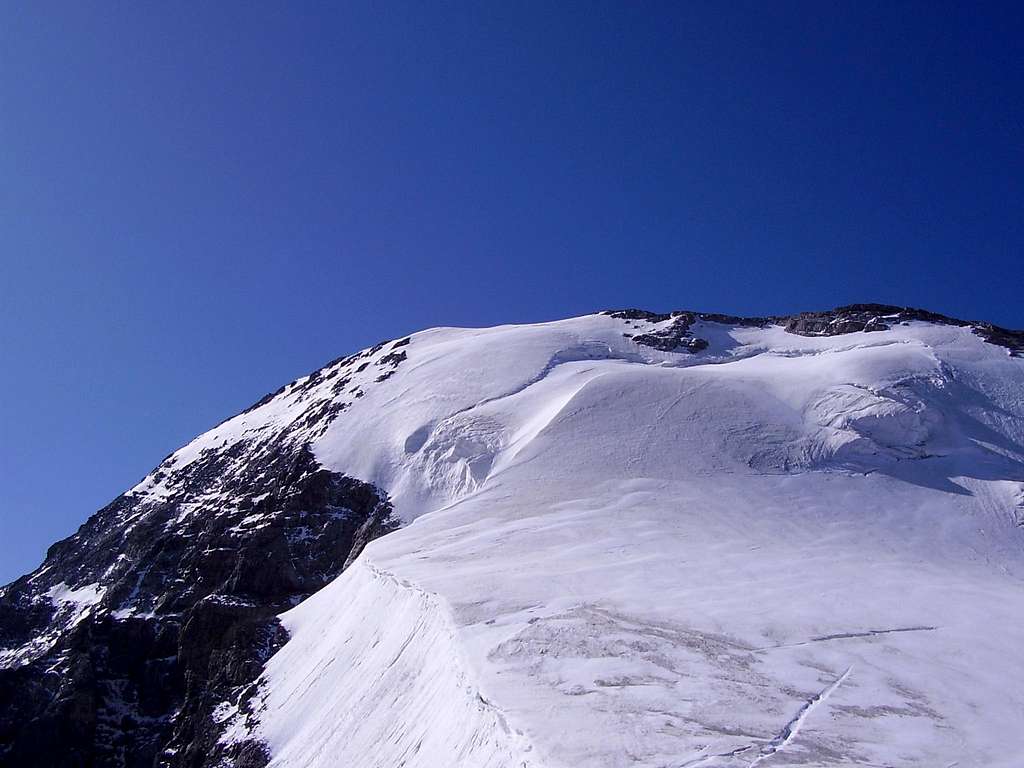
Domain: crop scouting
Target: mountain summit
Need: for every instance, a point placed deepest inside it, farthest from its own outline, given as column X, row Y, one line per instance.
column 629, row 538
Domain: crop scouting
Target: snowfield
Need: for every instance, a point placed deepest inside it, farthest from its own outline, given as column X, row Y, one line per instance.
column 781, row 551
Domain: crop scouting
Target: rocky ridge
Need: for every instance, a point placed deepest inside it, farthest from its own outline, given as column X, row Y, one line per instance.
column 137, row 632
column 675, row 334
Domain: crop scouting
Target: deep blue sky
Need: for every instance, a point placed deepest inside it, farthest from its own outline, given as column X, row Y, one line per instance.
column 199, row 202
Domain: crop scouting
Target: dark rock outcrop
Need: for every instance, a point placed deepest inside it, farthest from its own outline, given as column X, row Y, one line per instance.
column 880, row 317
column 137, row 633
column 176, row 600
column 674, row 337
column 852, row 318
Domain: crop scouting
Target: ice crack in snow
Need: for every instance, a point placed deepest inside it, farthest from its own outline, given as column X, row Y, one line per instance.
column 784, row 737
column 790, row 730
column 706, row 758
column 847, row 636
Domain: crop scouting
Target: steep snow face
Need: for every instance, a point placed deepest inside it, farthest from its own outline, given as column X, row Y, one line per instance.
column 393, row 650
column 637, row 539
column 424, row 417
column 773, row 550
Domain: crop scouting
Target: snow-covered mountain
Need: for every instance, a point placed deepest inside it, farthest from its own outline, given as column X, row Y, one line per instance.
column 624, row 539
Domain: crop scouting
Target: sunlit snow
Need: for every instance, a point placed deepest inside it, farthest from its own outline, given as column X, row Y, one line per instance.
column 780, row 551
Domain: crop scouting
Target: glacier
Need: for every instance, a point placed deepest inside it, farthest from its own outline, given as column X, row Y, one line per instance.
column 632, row 539
column 785, row 550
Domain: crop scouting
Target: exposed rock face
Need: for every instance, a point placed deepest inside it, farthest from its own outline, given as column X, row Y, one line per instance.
column 1003, row 337
column 836, row 323
column 674, row 337
column 159, row 612
column 852, row 318
column 858, row 317
column 880, row 317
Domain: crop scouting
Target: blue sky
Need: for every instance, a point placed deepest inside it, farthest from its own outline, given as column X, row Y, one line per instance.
column 199, row 202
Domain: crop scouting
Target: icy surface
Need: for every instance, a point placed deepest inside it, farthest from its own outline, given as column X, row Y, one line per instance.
column 783, row 550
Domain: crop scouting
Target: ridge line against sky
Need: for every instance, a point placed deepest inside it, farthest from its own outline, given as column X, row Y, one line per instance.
column 201, row 204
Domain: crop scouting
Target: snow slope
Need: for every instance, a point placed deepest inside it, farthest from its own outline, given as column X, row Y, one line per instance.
column 781, row 550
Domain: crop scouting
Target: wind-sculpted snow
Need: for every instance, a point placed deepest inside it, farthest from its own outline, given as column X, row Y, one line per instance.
column 362, row 647
column 632, row 538
column 780, row 550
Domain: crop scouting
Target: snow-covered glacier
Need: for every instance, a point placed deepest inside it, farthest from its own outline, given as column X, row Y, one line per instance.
column 629, row 540
column 786, row 550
